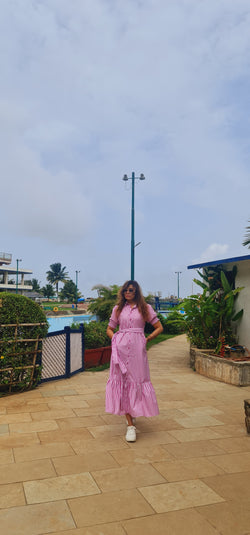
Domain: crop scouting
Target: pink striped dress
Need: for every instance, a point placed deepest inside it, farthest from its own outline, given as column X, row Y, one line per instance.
column 129, row 389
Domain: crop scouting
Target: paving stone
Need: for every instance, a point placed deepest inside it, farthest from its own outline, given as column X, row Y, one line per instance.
column 6, row 456
column 181, row 495
column 15, row 418
column 12, row 440
column 84, row 463
column 173, row 523
column 127, row 477
column 233, row 487
column 231, row 518
column 65, row 435
column 36, row 519
column 194, row 435
column 233, row 462
column 33, row 427
column 102, row 529
column 11, row 495
column 109, row 507
column 15, row 472
column 194, row 449
column 43, row 451
column 106, row 444
column 59, row 488
column 140, row 455
column 187, row 469
column 234, row 445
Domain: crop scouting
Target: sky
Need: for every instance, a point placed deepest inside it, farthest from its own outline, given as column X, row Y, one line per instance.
column 93, row 89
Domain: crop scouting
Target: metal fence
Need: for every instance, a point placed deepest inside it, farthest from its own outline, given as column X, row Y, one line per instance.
column 63, row 354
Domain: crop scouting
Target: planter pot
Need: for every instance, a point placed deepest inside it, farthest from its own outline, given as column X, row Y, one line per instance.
column 221, row 369
column 96, row 357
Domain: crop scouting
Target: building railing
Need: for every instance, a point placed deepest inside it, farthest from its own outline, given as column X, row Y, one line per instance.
column 5, row 257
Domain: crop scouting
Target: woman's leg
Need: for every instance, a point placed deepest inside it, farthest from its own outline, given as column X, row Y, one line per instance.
column 129, row 419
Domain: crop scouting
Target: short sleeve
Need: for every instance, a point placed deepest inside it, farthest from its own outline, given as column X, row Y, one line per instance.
column 152, row 316
column 113, row 321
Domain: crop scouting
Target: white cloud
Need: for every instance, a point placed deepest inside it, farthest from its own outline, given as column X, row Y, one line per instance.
column 215, row 251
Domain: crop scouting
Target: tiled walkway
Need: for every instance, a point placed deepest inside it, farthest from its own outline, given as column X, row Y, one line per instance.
column 66, row 468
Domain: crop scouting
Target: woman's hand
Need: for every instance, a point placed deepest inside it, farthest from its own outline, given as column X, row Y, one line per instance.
column 158, row 329
column 110, row 332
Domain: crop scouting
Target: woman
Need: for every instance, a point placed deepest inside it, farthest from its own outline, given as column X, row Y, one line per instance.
column 129, row 390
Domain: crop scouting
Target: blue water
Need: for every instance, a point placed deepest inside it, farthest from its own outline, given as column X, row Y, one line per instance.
column 58, row 323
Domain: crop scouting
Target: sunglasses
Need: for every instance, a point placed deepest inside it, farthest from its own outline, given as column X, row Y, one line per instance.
column 130, row 290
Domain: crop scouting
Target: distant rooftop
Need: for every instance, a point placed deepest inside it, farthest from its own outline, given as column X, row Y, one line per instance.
column 218, row 262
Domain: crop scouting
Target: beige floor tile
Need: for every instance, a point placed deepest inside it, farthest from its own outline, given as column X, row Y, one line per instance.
column 64, row 435
column 15, row 418
column 107, row 430
column 12, row 441
column 187, row 469
column 198, row 421
column 233, row 462
column 140, row 455
column 193, row 449
column 127, row 477
column 234, row 445
column 53, row 414
column 33, row 427
column 101, row 529
column 109, row 507
column 27, row 408
column 36, row 519
column 194, row 435
column 231, row 431
column 84, row 463
column 163, row 424
column 231, row 518
column 4, row 429
column 43, row 451
column 86, row 421
column 58, row 393
column 60, row 488
column 173, row 523
column 202, row 411
column 151, row 439
column 106, row 444
column 15, row 472
column 235, row 487
column 11, row 495
column 6, row 457
column 182, row 495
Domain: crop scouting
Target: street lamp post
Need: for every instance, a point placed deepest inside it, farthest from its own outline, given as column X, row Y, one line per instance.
column 133, row 178
column 17, row 262
column 76, row 285
column 178, row 277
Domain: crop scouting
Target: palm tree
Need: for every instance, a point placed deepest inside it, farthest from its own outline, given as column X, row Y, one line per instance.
column 104, row 303
column 57, row 274
column 48, row 291
column 247, row 237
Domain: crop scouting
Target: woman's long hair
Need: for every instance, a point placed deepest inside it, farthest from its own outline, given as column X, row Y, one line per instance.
column 139, row 299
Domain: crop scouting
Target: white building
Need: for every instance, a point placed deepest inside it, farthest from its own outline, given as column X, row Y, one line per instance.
column 12, row 279
column 243, row 300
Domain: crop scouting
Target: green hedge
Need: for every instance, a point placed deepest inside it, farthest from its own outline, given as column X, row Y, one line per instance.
column 16, row 355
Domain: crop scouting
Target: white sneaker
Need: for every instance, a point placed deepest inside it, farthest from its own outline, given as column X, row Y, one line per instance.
column 131, row 433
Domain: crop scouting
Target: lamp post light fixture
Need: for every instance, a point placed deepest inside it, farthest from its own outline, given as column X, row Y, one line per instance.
column 133, row 178
column 178, row 284
column 17, row 262
column 76, row 286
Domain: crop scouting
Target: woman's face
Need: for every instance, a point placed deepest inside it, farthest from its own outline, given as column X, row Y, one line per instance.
column 129, row 293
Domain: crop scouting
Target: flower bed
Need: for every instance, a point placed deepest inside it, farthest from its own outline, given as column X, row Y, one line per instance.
column 229, row 370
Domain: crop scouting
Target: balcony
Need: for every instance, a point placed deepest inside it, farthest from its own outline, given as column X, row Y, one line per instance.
column 5, row 258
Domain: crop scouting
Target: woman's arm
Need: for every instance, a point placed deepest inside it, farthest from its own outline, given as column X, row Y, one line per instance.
column 158, row 329
column 110, row 332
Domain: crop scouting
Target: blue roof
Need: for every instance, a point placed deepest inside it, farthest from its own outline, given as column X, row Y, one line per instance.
column 223, row 261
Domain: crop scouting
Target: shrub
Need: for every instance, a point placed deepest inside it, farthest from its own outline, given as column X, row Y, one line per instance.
column 16, row 354
column 95, row 335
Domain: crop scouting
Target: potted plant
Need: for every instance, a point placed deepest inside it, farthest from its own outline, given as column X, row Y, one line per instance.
column 97, row 344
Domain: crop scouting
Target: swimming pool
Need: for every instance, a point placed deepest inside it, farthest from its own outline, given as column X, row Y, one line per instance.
column 59, row 322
